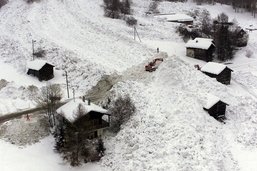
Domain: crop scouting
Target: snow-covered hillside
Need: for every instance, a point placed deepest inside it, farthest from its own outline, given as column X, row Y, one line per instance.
column 170, row 130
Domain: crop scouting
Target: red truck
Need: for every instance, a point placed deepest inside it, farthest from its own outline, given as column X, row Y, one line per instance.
column 153, row 65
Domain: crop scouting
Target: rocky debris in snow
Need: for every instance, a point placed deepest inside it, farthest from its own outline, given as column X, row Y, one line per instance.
column 3, row 83
column 25, row 132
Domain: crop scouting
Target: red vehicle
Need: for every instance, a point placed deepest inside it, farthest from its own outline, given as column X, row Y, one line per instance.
column 153, row 65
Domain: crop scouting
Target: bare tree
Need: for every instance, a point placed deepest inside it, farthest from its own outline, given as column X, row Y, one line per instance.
column 222, row 18
column 33, row 92
column 48, row 98
column 153, row 8
column 206, row 21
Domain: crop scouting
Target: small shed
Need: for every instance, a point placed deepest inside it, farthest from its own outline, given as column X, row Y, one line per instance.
column 215, row 107
column 84, row 117
column 200, row 48
column 219, row 71
column 40, row 69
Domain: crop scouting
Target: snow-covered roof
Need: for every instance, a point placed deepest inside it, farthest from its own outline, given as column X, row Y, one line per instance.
column 37, row 64
column 213, row 68
column 69, row 110
column 211, row 101
column 200, row 43
column 176, row 17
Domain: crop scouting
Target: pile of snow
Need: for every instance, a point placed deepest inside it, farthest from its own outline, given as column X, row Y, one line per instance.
column 39, row 157
column 23, row 132
column 170, row 129
column 14, row 98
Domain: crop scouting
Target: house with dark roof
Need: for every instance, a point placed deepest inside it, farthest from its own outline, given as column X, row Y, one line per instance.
column 200, row 48
column 219, row 71
column 82, row 117
column 40, row 69
column 215, row 107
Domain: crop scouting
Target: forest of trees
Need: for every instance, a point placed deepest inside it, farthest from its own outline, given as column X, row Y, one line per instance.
column 238, row 5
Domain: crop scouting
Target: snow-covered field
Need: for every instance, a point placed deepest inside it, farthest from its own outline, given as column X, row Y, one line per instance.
column 170, row 130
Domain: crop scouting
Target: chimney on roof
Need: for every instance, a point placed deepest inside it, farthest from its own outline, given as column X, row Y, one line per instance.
column 89, row 101
column 196, row 41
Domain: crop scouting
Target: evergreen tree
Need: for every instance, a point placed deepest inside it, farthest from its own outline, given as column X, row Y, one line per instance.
column 121, row 110
column 100, row 147
column 125, row 8
column 222, row 38
column 112, row 8
column 59, row 139
column 223, row 43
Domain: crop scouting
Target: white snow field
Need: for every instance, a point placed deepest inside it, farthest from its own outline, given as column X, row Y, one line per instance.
column 170, row 131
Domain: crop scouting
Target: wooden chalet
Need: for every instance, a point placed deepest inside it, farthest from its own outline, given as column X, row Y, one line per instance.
column 83, row 117
column 215, row 107
column 219, row 71
column 40, row 69
column 200, row 48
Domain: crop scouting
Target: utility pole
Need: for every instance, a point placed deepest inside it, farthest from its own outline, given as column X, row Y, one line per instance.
column 67, row 83
column 136, row 33
column 33, row 51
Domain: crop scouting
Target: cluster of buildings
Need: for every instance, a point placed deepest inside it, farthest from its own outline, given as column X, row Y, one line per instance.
column 203, row 49
column 91, row 120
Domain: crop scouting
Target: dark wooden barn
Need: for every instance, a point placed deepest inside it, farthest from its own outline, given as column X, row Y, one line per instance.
column 86, row 118
column 219, row 71
column 216, row 108
column 200, row 48
column 41, row 69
